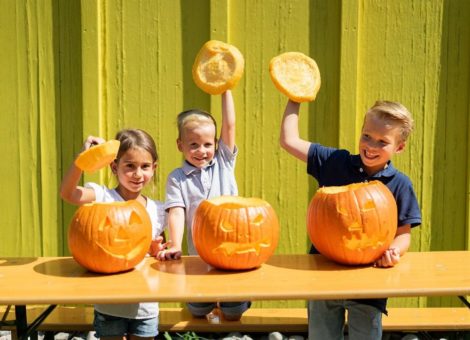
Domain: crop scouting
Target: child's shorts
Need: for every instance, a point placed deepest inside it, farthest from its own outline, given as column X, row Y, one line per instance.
column 108, row 325
column 228, row 308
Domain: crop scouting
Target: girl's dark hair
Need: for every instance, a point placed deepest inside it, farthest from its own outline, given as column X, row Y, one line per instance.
column 133, row 138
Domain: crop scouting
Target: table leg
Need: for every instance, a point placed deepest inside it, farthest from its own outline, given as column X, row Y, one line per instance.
column 465, row 301
column 21, row 321
column 24, row 331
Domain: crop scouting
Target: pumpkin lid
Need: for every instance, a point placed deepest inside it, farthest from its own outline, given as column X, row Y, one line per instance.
column 295, row 75
column 98, row 156
column 237, row 202
column 331, row 190
column 218, row 67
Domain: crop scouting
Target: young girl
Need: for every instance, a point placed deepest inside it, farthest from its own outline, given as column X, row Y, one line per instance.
column 133, row 167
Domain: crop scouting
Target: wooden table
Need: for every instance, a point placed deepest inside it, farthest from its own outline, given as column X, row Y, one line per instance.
column 60, row 280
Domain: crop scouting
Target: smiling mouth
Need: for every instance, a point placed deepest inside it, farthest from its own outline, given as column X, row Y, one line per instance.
column 368, row 155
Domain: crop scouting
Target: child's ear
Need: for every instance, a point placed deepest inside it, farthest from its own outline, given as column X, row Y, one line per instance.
column 113, row 166
column 400, row 147
column 178, row 143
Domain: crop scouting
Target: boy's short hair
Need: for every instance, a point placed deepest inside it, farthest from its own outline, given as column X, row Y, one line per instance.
column 393, row 111
column 194, row 116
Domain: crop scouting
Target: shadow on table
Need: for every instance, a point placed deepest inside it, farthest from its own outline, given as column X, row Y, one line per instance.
column 66, row 267
column 192, row 265
column 16, row 261
column 308, row 262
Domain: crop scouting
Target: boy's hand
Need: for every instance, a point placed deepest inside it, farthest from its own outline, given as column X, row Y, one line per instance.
column 172, row 253
column 157, row 245
column 389, row 259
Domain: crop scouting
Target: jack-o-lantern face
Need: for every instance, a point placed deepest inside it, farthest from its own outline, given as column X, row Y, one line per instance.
column 110, row 237
column 352, row 224
column 232, row 232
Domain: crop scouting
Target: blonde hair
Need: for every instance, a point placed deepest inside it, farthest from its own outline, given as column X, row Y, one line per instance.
column 194, row 117
column 394, row 112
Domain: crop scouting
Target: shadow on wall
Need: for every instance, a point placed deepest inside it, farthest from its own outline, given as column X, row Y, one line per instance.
column 325, row 40
column 67, row 47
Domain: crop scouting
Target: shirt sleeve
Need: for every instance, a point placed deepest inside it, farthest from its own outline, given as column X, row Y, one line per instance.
column 99, row 191
column 173, row 192
column 407, row 203
column 316, row 158
column 226, row 155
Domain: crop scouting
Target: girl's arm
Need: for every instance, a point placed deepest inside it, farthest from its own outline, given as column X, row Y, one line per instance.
column 176, row 231
column 227, row 132
column 290, row 139
column 398, row 247
column 70, row 191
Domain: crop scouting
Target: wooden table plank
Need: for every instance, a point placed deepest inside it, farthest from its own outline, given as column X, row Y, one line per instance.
column 60, row 280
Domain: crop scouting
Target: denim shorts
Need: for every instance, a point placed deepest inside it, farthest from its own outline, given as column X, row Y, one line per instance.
column 228, row 308
column 108, row 325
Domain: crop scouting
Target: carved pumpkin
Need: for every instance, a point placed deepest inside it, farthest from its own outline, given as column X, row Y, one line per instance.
column 352, row 224
column 110, row 237
column 295, row 75
column 218, row 67
column 98, row 156
column 232, row 232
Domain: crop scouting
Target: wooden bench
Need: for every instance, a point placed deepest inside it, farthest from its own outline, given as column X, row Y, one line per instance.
column 73, row 319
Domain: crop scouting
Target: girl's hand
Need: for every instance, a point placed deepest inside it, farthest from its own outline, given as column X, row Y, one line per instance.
column 157, row 245
column 92, row 140
column 389, row 259
column 172, row 253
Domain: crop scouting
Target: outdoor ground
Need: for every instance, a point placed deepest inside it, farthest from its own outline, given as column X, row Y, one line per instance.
column 267, row 336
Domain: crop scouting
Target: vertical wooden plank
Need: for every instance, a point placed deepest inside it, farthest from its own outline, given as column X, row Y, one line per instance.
column 349, row 117
column 11, row 54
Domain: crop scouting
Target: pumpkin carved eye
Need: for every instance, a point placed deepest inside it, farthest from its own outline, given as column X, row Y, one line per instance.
column 352, row 224
column 110, row 237
column 232, row 232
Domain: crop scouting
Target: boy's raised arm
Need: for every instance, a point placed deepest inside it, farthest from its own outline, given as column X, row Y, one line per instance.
column 290, row 139
column 227, row 132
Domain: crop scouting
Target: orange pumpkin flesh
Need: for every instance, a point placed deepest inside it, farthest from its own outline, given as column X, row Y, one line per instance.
column 352, row 224
column 110, row 237
column 295, row 75
column 98, row 156
column 218, row 67
column 235, row 233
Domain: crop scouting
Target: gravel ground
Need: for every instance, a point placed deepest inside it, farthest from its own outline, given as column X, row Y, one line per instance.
column 264, row 336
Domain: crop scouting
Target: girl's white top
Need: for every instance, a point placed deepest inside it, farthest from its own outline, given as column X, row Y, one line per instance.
column 157, row 216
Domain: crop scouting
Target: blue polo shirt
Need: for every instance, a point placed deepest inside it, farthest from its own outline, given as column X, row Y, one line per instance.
column 335, row 167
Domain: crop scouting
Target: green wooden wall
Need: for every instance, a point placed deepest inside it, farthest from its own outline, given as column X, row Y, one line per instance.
column 79, row 67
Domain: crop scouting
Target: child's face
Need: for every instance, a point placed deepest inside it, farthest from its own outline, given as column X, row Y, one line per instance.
column 380, row 140
column 198, row 144
column 134, row 170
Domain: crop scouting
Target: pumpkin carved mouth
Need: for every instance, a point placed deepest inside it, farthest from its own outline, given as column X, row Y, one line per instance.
column 232, row 232
column 110, row 237
column 352, row 224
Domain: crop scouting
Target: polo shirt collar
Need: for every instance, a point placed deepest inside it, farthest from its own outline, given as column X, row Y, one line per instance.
column 388, row 171
column 189, row 168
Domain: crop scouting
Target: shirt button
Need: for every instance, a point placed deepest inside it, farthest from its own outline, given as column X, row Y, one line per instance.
column 361, row 170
